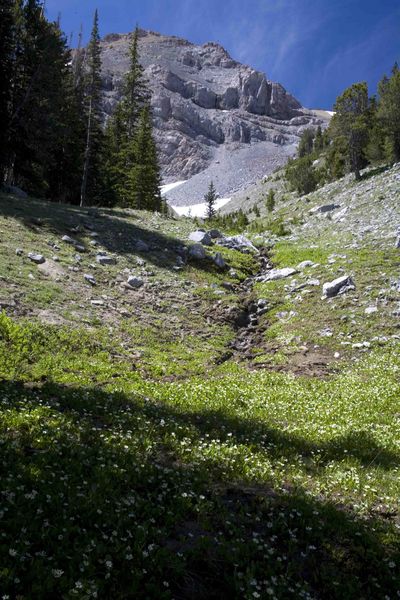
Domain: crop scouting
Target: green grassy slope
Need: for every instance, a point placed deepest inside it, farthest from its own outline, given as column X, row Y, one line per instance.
column 137, row 460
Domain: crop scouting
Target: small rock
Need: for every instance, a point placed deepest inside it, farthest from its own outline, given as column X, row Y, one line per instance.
column 90, row 279
column 135, row 282
column 219, row 261
column 214, row 234
column 36, row 258
column 201, row 237
column 324, row 208
column 397, row 243
column 103, row 259
column 19, row 252
column 97, row 302
column 69, row 240
column 197, row 252
column 336, row 355
column 304, row 265
column 313, row 282
column 338, row 286
column 275, row 274
column 371, row 310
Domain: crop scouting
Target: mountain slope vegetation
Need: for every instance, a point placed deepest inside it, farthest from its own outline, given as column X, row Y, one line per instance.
column 177, row 426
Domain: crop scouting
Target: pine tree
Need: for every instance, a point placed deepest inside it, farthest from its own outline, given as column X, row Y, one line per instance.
column 351, row 122
column 144, row 180
column 270, row 202
column 6, row 69
column 319, row 140
column 93, row 101
column 210, row 199
column 135, row 93
column 389, row 112
column 306, row 144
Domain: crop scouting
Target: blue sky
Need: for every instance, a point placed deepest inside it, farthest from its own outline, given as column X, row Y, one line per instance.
column 315, row 48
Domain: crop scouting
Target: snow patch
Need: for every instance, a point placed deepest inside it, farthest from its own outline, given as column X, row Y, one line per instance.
column 170, row 186
column 198, row 210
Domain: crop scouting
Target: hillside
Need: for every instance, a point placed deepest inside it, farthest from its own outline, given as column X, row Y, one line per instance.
column 189, row 421
column 213, row 115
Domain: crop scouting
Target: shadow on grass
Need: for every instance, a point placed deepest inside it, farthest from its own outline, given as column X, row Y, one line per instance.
column 373, row 172
column 94, row 486
column 115, row 232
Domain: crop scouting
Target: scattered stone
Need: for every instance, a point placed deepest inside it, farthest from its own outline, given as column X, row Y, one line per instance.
column 238, row 242
column 313, row 282
column 90, row 279
column 36, row 258
column 69, row 240
column 103, row 259
column 97, row 302
column 197, row 252
column 135, row 282
column 371, row 310
column 304, row 265
column 324, row 208
column 275, row 274
column 55, row 258
column 19, row 252
column 338, row 286
column 336, row 355
column 201, row 237
column 397, row 243
column 214, row 234
column 219, row 261
column 338, row 216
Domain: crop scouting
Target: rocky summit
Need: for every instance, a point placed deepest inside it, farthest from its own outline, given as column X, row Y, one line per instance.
column 212, row 114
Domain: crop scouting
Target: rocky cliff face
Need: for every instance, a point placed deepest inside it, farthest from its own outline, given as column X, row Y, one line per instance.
column 205, row 103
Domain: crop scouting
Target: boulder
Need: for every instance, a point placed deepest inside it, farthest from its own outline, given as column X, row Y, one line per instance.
column 238, row 242
column 36, row 258
column 275, row 274
column 135, row 282
column 69, row 240
column 201, row 237
column 214, row 234
column 338, row 286
column 197, row 252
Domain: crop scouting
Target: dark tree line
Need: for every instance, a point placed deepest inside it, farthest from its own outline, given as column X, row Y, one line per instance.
column 362, row 131
column 53, row 142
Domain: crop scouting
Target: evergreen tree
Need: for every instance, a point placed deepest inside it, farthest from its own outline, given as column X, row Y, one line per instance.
column 210, row 199
column 143, row 178
column 130, row 159
column 319, row 141
column 306, row 144
column 351, row 122
column 270, row 201
column 6, row 68
column 301, row 175
column 388, row 112
column 93, row 108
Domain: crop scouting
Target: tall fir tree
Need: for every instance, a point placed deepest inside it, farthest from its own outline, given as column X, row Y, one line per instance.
column 39, row 101
column 210, row 200
column 90, row 177
column 351, row 123
column 7, row 39
column 130, row 160
column 388, row 112
column 144, row 180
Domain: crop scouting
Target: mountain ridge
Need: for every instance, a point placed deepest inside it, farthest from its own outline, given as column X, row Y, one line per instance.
column 207, row 105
